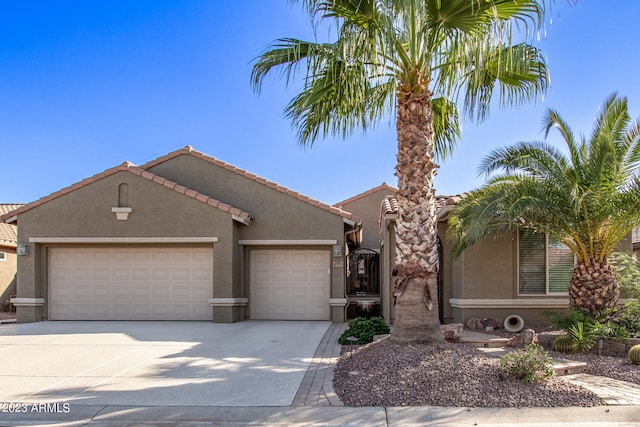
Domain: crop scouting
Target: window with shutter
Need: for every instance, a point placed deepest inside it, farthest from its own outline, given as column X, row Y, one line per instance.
column 545, row 265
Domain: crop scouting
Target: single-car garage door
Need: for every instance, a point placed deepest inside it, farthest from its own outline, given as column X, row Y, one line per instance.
column 289, row 284
column 130, row 283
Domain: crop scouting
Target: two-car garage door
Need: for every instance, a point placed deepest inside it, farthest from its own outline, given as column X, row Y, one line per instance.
column 130, row 283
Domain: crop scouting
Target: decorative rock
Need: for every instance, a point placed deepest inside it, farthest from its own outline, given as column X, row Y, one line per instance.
column 486, row 324
column 452, row 331
column 524, row 338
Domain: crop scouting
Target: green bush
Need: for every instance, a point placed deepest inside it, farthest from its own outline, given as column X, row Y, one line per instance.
column 628, row 317
column 627, row 269
column 530, row 364
column 585, row 330
column 364, row 329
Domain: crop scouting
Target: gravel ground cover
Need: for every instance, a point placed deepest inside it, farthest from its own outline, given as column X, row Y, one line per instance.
column 386, row 374
column 613, row 367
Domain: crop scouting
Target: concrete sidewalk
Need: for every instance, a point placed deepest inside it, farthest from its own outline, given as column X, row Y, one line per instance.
column 315, row 404
column 235, row 416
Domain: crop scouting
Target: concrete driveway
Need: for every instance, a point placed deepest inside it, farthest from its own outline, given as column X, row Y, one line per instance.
column 254, row 363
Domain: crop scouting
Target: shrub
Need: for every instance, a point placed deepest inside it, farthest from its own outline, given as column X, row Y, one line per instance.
column 364, row 329
column 627, row 269
column 530, row 364
column 585, row 330
column 628, row 317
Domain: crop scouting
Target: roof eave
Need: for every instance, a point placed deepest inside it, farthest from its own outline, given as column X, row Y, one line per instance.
column 11, row 220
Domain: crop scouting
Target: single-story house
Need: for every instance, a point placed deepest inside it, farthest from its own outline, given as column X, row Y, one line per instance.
column 183, row 237
column 8, row 264
column 521, row 274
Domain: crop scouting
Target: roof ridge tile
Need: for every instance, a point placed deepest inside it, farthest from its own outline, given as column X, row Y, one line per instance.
column 383, row 186
column 138, row 171
column 188, row 150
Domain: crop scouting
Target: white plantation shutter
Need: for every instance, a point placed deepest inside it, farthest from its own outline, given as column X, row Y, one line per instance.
column 545, row 265
column 560, row 261
column 532, row 263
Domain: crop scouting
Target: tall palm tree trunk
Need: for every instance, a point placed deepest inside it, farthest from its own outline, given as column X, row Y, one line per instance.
column 594, row 287
column 416, row 288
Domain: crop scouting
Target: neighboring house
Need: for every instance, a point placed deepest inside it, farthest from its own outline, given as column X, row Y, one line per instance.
column 183, row 237
column 522, row 274
column 8, row 264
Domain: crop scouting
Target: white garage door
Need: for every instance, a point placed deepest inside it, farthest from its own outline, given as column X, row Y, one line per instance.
column 130, row 283
column 289, row 284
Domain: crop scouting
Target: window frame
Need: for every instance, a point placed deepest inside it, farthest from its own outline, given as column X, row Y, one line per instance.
column 3, row 256
column 546, row 270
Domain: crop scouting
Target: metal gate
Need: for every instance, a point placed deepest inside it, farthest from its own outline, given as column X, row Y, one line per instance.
column 363, row 274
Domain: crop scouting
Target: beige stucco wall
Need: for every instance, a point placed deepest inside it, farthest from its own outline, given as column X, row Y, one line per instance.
column 277, row 215
column 367, row 208
column 489, row 269
column 161, row 212
column 8, row 269
column 86, row 212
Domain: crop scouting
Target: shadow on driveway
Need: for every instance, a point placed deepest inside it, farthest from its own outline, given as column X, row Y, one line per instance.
column 254, row 363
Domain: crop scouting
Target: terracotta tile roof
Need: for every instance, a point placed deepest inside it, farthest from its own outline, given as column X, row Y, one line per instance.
column 8, row 235
column 8, row 232
column 131, row 168
column 389, row 205
column 381, row 187
column 188, row 150
column 5, row 208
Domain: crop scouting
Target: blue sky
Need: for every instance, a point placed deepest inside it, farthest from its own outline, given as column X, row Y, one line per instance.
column 87, row 85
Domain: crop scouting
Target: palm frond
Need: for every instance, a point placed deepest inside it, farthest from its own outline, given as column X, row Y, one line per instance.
column 589, row 200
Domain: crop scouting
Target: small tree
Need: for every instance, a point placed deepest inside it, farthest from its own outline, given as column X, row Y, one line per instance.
column 588, row 199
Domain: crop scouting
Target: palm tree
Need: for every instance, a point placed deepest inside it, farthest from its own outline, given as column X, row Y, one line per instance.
column 588, row 199
column 414, row 58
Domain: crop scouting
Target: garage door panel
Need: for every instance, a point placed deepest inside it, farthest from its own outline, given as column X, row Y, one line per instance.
column 121, row 293
column 81, row 273
column 162, row 256
column 103, row 257
column 82, row 293
column 121, row 273
column 141, row 274
column 141, row 256
column 280, row 275
column 101, row 273
column 289, row 284
column 201, row 293
column 122, row 256
column 101, row 292
column 121, row 311
column 202, row 274
column 180, row 274
column 117, row 283
column 161, row 274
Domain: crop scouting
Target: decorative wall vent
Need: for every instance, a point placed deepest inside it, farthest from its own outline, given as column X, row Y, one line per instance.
column 122, row 214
